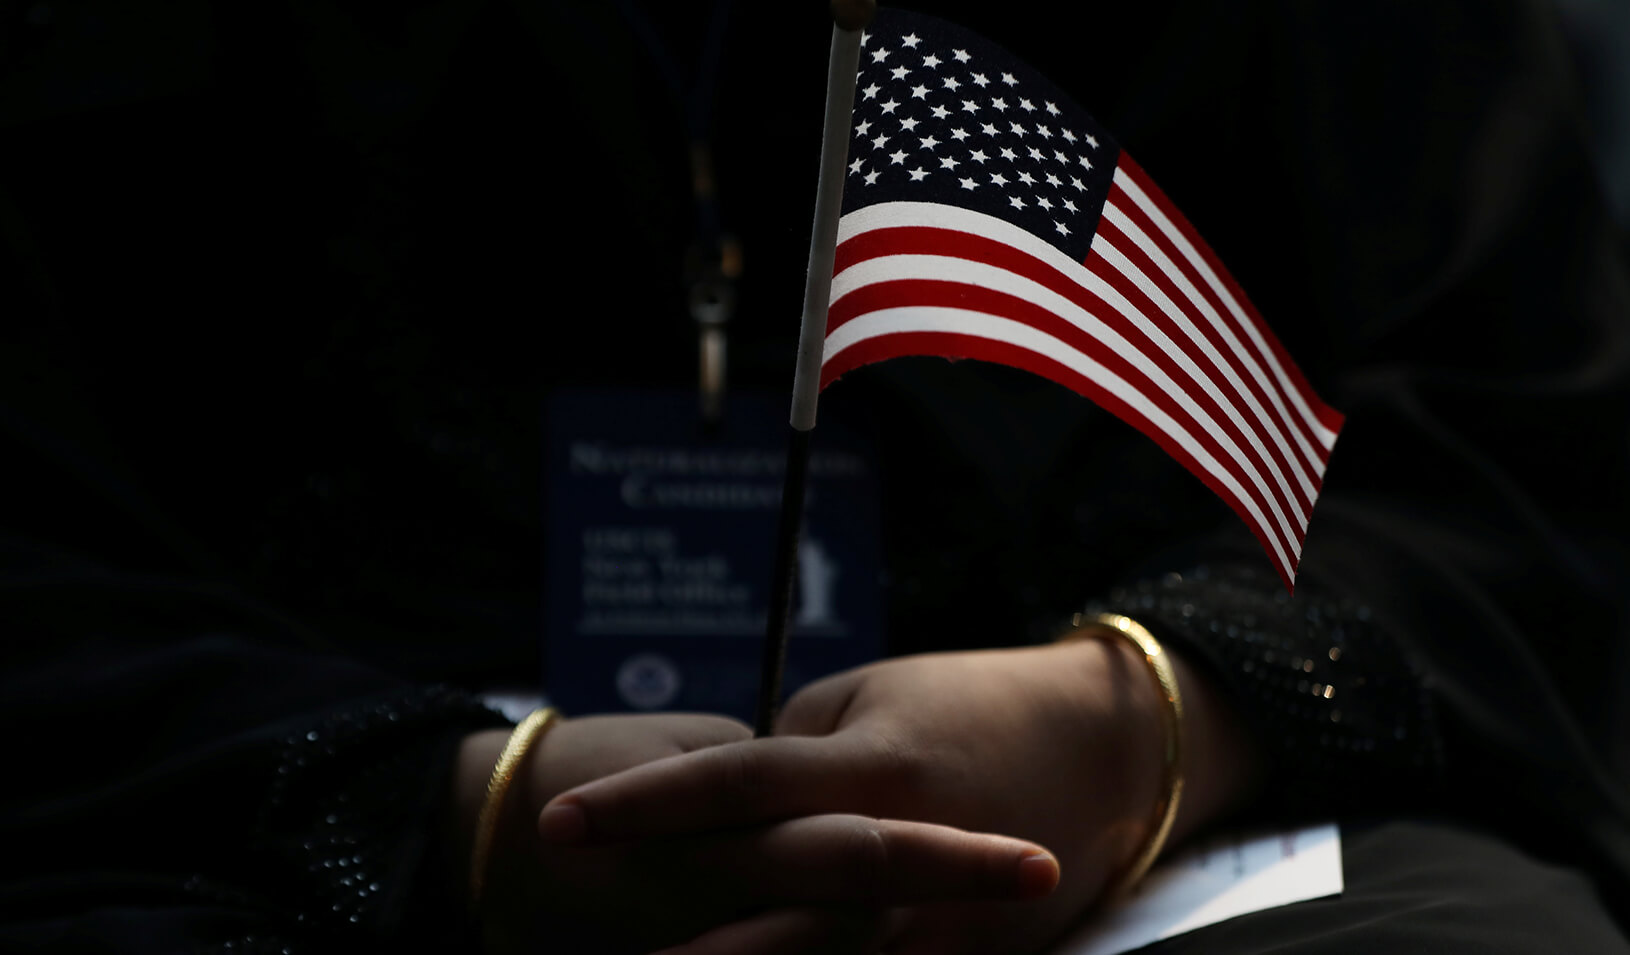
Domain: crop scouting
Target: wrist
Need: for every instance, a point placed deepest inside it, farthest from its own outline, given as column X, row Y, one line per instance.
column 496, row 801
column 472, row 769
column 1183, row 756
column 1117, row 717
column 1223, row 765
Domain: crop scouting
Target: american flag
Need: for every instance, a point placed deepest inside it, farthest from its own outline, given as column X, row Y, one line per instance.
column 987, row 216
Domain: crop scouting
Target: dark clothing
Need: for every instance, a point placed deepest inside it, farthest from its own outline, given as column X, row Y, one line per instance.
column 286, row 290
column 1425, row 887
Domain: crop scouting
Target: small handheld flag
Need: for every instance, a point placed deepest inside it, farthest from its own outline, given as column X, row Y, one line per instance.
column 986, row 215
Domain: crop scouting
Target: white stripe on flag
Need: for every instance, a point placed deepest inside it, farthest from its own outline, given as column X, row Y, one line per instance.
column 1175, row 236
column 908, row 319
column 1228, row 401
column 1275, row 428
column 931, row 215
column 979, row 274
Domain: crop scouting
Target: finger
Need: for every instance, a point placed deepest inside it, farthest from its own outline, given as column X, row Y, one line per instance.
column 856, row 859
column 694, row 731
column 792, row 931
column 590, row 747
column 818, row 708
column 727, row 786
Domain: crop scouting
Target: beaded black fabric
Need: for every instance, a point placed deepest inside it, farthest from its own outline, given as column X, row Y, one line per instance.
column 1345, row 716
column 347, row 816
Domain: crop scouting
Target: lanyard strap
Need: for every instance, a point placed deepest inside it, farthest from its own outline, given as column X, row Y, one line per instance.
column 714, row 259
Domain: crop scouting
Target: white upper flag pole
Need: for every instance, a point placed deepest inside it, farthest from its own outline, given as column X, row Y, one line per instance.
column 849, row 18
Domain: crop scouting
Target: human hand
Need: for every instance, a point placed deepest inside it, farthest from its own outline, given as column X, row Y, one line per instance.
column 812, row 884
column 1059, row 744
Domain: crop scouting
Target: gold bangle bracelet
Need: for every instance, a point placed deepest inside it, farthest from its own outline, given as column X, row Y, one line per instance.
column 503, row 774
column 1171, row 773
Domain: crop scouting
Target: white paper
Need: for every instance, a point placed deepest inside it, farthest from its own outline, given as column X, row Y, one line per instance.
column 1213, row 881
column 514, row 705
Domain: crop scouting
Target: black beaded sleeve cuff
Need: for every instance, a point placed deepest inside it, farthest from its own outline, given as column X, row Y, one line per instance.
column 348, row 817
column 1341, row 712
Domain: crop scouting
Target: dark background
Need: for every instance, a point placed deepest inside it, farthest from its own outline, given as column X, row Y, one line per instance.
column 285, row 287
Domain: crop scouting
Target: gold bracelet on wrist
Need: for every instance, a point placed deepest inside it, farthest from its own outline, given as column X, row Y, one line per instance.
column 1171, row 773
column 520, row 742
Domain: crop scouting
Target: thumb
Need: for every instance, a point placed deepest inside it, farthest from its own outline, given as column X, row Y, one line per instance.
column 819, row 708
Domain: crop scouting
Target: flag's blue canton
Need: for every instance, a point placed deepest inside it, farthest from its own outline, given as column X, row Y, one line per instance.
column 943, row 115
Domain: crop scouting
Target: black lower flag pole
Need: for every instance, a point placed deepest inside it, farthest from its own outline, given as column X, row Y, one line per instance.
column 849, row 18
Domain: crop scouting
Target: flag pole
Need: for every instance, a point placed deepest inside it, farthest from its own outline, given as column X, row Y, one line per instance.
column 849, row 18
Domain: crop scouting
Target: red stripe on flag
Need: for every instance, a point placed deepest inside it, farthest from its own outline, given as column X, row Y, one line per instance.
column 930, row 293
column 952, row 345
column 1290, row 421
column 916, row 240
column 1266, row 431
column 1328, row 416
